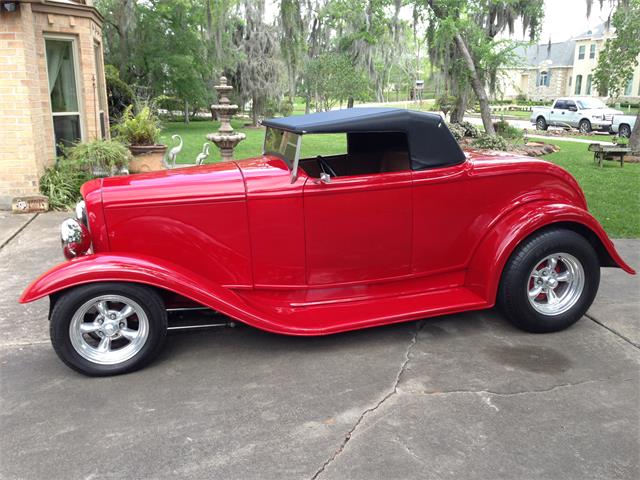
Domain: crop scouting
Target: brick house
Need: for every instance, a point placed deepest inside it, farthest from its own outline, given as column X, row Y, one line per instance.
column 52, row 86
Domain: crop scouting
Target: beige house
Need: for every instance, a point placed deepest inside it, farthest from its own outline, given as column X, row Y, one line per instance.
column 559, row 69
column 52, row 86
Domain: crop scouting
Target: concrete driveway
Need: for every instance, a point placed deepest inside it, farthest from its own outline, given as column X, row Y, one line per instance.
column 463, row 396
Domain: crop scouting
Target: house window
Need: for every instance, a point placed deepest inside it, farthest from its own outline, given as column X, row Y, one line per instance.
column 627, row 89
column 578, row 84
column 581, row 50
column 589, row 79
column 592, row 51
column 63, row 91
column 101, row 89
column 544, row 79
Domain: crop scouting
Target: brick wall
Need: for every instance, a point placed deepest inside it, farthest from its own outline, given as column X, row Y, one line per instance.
column 27, row 142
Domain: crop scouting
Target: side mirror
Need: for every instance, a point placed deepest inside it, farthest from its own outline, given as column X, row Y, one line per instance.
column 325, row 178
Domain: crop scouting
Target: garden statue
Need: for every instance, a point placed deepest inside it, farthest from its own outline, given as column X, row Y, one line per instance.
column 173, row 153
column 202, row 156
column 225, row 138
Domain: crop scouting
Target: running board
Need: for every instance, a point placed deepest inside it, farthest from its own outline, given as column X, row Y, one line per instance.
column 193, row 318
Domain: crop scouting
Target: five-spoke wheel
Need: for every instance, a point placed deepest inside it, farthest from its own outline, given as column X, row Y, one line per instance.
column 108, row 328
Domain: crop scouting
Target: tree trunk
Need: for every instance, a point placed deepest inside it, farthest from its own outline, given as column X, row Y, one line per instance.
column 307, row 104
column 478, row 88
column 186, row 112
column 350, row 103
column 457, row 114
column 634, row 140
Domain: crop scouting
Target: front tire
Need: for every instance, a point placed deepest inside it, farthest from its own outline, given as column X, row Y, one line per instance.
column 550, row 281
column 584, row 126
column 108, row 328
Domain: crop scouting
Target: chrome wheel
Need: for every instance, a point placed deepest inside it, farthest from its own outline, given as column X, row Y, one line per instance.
column 541, row 124
column 109, row 329
column 555, row 284
column 585, row 126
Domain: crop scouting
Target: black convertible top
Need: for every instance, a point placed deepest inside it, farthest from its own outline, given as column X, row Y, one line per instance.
column 430, row 141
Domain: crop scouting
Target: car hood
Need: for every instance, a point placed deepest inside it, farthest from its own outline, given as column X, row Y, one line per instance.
column 219, row 181
column 602, row 111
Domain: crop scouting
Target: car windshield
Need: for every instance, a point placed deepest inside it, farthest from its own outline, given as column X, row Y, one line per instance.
column 281, row 143
column 588, row 103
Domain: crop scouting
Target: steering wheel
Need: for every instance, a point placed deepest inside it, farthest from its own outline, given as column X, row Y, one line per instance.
column 325, row 167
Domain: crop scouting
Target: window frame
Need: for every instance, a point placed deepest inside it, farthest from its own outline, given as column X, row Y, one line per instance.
column 544, row 74
column 588, row 84
column 592, row 51
column 101, row 90
column 73, row 40
column 582, row 50
column 578, row 85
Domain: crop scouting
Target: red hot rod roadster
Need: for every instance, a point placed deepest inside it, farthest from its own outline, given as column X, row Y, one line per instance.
column 401, row 225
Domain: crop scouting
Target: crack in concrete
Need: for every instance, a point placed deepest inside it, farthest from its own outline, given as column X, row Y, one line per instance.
column 511, row 394
column 17, row 232
column 366, row 412
column 616, row 333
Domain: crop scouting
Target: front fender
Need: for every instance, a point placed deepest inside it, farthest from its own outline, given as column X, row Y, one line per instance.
column 114, row 267
column 492, row 253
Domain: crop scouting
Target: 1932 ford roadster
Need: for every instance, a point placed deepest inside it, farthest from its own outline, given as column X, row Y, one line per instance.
column 402, row 225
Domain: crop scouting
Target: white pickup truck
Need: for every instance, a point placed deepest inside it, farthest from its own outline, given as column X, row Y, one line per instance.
column 623, row 125
column 584, row 113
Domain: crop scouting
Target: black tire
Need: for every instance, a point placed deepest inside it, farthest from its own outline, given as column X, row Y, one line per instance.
column 624, row 130
column 584, row 126
column 69, row 302
column 541, row 123
column 514, row 286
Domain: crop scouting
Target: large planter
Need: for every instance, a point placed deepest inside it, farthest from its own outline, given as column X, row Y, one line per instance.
column 147, row 158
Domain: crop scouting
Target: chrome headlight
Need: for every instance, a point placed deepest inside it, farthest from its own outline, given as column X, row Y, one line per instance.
column 81, row 213
column 75, row 238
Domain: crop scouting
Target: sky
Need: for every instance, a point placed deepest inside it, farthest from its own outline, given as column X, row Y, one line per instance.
column 563, row 18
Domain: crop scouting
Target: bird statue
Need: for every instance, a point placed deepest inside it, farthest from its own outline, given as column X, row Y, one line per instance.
column 173, row 153
column 202, row 156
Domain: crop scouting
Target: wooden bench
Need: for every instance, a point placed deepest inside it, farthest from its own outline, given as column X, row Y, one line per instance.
column 608, row 152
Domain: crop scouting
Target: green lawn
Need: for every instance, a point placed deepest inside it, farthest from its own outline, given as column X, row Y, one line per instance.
column 613, row 193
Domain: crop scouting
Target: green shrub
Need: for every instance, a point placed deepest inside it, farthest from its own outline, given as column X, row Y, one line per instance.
column 445, row 103
column 457, row 131
column 61, row 184
column 119, row 94
column 106, row 155
column 491, row 142
column 286, row 108
column 470, row 130
column 140, row 129
column 505, row 130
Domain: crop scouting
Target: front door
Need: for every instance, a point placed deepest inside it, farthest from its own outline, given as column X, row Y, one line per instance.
column 358, row 228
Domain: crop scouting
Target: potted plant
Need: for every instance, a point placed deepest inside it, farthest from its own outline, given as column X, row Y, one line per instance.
column 141, row 132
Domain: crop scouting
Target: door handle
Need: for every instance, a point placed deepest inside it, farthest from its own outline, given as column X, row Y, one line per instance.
column 563, row 113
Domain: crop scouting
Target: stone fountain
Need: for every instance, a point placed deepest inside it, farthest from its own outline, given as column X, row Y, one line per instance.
column 225, row 138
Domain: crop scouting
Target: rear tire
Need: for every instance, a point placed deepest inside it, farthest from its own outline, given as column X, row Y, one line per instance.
column 541, row 123
column 584, row 126
column 549, row 281
column 108, row 328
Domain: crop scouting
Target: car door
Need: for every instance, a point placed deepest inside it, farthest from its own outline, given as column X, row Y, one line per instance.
column 571, row 114
column 557, row 114
column 358, row 227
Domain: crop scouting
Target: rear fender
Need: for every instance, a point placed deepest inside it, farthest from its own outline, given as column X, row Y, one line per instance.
column 113, row 267
column 491, row 255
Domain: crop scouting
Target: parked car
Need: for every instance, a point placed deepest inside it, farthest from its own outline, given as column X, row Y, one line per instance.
column 401, row 225
column 623, row 124
column 584, row 113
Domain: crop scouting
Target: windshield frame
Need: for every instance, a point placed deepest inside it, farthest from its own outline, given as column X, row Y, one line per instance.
column 291, row 163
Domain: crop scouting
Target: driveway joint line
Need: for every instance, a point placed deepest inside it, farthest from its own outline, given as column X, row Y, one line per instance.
column 369, row 410
column 17, row 232
column 616, row 333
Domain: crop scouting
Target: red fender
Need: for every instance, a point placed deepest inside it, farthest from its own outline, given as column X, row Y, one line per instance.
column 492, row 253
column 114, row 267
